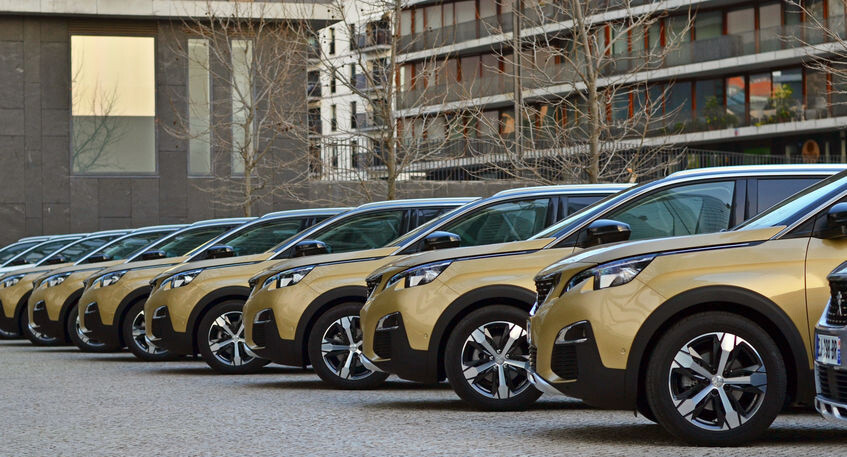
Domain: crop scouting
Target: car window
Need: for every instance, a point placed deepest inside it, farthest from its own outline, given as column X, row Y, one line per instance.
column 424, row 215
column 681, row 210
column 79, row 249
column 47, row 248
column 772, row 191
column 14, row 250
column 131, row 244
column 577, row 203
column 501, row 223
column 182, row 243
column 261, row 237
column 363, row 231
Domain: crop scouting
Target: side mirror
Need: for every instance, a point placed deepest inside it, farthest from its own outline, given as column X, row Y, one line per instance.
column 153, row 255
column 310, row 247
column 604, row 231
column 441, row 240
column 55, row 259
column 19, row 261
column 220, row 251
column 96, row 258
column 835, row 223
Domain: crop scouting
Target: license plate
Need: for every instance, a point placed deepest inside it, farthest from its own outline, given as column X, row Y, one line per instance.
column 828, row 349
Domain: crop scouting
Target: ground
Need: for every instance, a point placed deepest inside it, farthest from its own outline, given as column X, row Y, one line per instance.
column 59, row 401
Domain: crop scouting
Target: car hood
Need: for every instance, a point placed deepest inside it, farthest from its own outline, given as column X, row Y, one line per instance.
column 81, row 267
column 411, row 260
column 607, row 253
column 225, row 262
column 36, row 269
column 170, row 261
column 323, row 259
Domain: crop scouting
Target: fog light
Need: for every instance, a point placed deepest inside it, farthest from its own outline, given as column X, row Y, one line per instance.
column 388, row 322
column 262, row 317
column 574, row 333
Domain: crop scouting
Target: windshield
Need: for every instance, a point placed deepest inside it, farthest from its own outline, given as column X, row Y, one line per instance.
column 77, row 250
column 131, row 244
column 39, row 252
column 423, row 228
column 184, row 242
column 558, row 229
column 798, row 205
column 11, row 251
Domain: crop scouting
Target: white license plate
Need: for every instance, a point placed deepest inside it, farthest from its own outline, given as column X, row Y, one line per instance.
column 828, row 349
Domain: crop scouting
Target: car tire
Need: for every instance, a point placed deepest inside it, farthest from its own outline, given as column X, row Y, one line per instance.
column 7, row 335
column 84, row 342
column 220, row 340
column 700, row 384
column 34, row 336
column 493, row 337
column 335, row 349
column 134, row 336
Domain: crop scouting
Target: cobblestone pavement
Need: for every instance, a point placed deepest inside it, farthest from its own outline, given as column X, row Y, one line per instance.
column 59, row 401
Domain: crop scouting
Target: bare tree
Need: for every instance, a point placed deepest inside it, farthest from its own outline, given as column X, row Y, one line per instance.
column 94, row 135
column 253, row 121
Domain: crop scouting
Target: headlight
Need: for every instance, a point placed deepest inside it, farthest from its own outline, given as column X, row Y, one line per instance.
column 55, row 280
column 180, row 279
column 12, row 280
column 287, row 278
column 108, row 279
column 612, row 274
column 420, row 275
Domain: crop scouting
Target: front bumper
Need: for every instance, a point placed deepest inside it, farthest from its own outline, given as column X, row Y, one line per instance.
column 831, row 380
column 393, row 354
column 160, row 331
column 92, row 325
column 40, row 320
column 264, row 340
column 13, row 303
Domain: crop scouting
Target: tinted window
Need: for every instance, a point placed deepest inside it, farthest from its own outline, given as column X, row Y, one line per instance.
column 577, row 203
column 47, row 248
column 772, row 191
column 423, row 215
column 502, row 222
column 681, row 210
column 131, row 244
column 14, row 250
column 364, row 231
column 259, row 238
column 182, row 243
column 79, row 249
column 799, row 205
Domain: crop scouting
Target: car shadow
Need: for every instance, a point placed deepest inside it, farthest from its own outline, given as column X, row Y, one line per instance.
column 455, row 404
column 317, row 384
column 121, row 358
column 203, row 369
column 16, row 344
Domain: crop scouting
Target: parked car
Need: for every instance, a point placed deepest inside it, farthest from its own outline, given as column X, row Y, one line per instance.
column 197, row 307
column 35, row 254
column 306, row 311
column 709, row 335
column 461, row 313
column 830, row 335
column 16, row 286
column 13, row 249
column 112, row 308
column 52, row 305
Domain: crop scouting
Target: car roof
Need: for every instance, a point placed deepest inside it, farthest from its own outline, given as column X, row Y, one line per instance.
column 564, row 188
column 306, row 212
column 416, row 201
column 781, row 169
column 221, row 221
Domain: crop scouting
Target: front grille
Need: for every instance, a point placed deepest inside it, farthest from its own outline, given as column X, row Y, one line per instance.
column 533, row 355
column 837, row 311
column 382, row 344
column 833, row 383
column 372, row 283
column 564, row 361
column 543, row 286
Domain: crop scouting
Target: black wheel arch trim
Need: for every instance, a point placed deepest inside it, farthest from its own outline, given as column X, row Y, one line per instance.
column 209, row 300
column 467, row 303
column 320, row 305
column 20, row 308
column 723, row 298
column 130, row 299
column 72, row 299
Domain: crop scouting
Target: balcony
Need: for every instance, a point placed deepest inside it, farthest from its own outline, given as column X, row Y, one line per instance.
column 451, row 92
column 369, row 121
column 465, row 31
column 314, row 124
column 374, row 39
column 380, row 77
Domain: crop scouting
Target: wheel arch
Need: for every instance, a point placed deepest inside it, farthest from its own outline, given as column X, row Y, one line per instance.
column 318, row 307
column 735, row 300
column 20, row 309
column 207, row 302
column 64, row 312
column 126, row 303
column 467, row 303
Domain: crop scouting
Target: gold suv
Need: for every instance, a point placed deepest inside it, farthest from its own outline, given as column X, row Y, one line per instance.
column 196, row 307
column 315, row 318
column 461, row 313
column 709, row 335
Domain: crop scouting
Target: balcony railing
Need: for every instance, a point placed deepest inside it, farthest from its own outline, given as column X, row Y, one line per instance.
column 369, row 121
column 360, row 80
column 464, row 31
column 370, row 39
column 451, row 92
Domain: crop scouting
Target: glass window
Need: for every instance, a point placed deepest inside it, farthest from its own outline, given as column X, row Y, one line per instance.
column 502, row 222
column 242, row 104
column 708, row 25
column 14, row 250
column 681, row 210
column 709, row 98
column 487, row 8
column 433, row 17
column 79, row 249
column 789, row 81
column 261, row 237
column 405, row 22
column 678, row 102
column 735, row 97
column 677, row 29
column 183, row 243
column 424, row 215
column 199, row 104
column 577, row 203
column 465, row 11
column 364, row 231
column 740, row 21
column 770, row 16
column 113, row 105
column 760, row 93
column 131, row 245
column 772, row 191
column 45, row 249
column 470, row 68
column 816, row 92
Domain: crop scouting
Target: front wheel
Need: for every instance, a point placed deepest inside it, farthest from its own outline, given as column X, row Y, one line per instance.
column 487, row 359
column 133, row 330
column 220, row 339
column 82, row 339
column 335, row 350
column 716, row 379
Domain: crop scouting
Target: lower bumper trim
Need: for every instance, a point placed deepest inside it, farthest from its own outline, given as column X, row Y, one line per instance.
column 831, row 410
column 369, row 365
column 542, row 385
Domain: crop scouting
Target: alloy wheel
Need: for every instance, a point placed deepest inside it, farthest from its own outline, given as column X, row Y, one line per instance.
column 717, row 381
column 495, row 360
column 341, row 349
column 83, row 336
column 139, row 336
column 226, row 340
column 38, row 335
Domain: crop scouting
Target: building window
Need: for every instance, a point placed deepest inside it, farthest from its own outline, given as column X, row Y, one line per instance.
column 332, row 41
column 333, row 120
column 353, row 73
column 242, row 104
column 332, row 82
column 353, row 123
column 113, row 105
column 199, row 104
